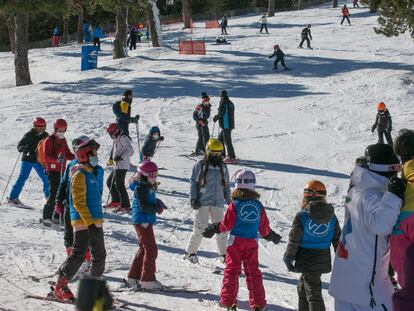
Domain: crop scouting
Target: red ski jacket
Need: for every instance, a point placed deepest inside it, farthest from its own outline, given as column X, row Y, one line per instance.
column 52, row 147
column 345, row 12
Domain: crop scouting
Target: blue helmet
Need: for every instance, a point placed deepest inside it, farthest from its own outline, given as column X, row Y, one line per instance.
column 154, row 129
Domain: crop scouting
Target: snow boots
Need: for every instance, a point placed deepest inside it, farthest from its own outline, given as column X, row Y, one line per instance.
column 62, row 290
column 191, row 258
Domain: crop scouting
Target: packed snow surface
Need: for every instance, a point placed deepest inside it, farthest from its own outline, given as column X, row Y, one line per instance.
column 310, row 122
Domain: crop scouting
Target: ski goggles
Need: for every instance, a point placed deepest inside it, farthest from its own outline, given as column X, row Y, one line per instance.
column 215, row 153
column 314, row 193
column 245, row 181
column 384, row 167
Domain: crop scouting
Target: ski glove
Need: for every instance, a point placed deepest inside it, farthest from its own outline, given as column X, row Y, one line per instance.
column 93, row 229
column 216, row 117
column 373, row 129
column 397, row 186
column 135, row 119
column 160, row 206
column 211, row 230
column 60, row 157
column 59, row 208
column 117, row 158
column 195, row 204
column 161, row 138
column 273, row 237
column 288, row 260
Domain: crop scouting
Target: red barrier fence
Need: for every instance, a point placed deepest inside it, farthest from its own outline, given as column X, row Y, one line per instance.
column 192, row 47
column 212, row 24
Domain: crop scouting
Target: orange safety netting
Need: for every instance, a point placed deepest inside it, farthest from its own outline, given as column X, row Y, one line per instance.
column 212, row 24
column 192, row 47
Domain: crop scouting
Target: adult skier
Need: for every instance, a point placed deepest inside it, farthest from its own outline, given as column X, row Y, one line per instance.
column 360, row 278
column 306, row 36
column 133, row 37
column 116, row 180
column 122, row 111
column 383, row 124
column 345, row 15
column 145, row 206
column 223, row 25
column 28, row 147
column 263, row 22
column 55, row 152
column 200, row 115
column 150, row 144
column 86, row 217
column 313, row 231
column 280, row 57
column 245, row 218
column 209, row 191
column 225, row 117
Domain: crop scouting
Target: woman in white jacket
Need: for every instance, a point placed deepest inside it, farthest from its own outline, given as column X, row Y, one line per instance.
column 360, row 278
column 263, row 21
column 122, row 151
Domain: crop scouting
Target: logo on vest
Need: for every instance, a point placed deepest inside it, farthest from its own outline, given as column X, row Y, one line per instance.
column 249, row 213
column 318, row 230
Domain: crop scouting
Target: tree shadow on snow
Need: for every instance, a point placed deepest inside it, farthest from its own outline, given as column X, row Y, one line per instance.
column 289, row 168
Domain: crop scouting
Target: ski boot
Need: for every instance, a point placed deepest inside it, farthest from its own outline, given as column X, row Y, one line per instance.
column 14, row 201
column 221, row 259
column 122, row 210
column 133, row 284
column 229, row 160
column 258, row 308
column 151, row 285
column 62, row 291
column 233, row 307
column 191, row 258
column 113, row 205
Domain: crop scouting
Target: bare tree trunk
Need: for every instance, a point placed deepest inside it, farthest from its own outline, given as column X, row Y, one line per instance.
column 271, row 8
column 12, row 31
column 119, row 50
column 65, row 29
column 80, row 24
column 154, row 23
column 335, row 3
column 21, row 61
column 301, row 5
column 186, row 13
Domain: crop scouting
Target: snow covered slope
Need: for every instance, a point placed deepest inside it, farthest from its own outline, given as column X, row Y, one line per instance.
column 310, row 122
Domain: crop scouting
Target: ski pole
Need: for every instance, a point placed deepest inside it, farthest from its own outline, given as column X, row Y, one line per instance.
column 178, row 226
column 11, row 174
column 112, row 184
column 61, row 177
column 202, row 134
column 137, row 127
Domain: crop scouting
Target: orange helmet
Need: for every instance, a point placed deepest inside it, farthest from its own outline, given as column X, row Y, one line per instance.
column 381, row 106
column 314, row 188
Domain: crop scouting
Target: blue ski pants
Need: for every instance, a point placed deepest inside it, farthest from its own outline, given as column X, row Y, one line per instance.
column 25, row 169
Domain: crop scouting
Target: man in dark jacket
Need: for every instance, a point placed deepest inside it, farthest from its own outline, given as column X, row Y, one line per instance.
column 280, row 57
column 200, row 115
column 133, row 37
column 225, row 117
column 314, row 229
column 122, row 111
column 383, row 124
column 28, row 147
column 306, row 36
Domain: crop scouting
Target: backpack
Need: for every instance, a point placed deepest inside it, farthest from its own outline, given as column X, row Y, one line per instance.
column 40, row 150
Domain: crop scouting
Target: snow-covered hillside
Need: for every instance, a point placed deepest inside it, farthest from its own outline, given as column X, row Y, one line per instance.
column 310, row 122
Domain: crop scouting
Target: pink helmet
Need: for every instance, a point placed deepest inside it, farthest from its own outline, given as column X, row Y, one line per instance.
column 245, row 179
column 149, row 169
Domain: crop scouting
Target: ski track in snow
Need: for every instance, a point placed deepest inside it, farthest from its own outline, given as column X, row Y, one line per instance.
column 311, row 122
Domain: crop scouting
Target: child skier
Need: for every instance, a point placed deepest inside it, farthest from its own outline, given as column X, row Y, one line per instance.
column 403, row 299
column 28, row 147
column 403, row 233
column 86, row 217
column 56, row 34
column 62, row 197
column 55, row 154
column 122, row 111
column 244, row 218
column 314, row 229
column 306, row 36
column 280, row 57
column 151, row 143
column 345, row 15
column 200, row 115
column 263, row 21
column 360, row 278
column 144, row 208
column 121, row 153
column 383, row 124
column 223, row 25
column 209, row 191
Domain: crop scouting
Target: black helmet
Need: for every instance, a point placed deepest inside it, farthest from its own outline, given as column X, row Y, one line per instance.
column 223, row 94
column 381, row 159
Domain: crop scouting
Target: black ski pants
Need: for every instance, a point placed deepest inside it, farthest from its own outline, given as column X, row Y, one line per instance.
column 97, row 42
column 264, row 26
column 310, row 292
column 84, row 239
column 224, row 30
column 133, row 44
column 68, row 236
column 203, row 137
column 307, row 42
column 118, row 189
column 387, row 137
column 281, row 60
column 54, row 181
column 225, row 138
column 347, row 18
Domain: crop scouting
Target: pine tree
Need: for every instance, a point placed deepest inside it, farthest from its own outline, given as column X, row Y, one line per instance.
column 396, row 17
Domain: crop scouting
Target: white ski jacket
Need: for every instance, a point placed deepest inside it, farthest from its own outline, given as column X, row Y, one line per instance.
column 124, row 149
column 370, row 214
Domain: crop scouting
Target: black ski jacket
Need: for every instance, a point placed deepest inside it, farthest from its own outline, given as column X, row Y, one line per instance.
column 226, row 114
column 28, row 145
column 278, row 53
column 202, row 113
column 383, row 122
column 306, row 32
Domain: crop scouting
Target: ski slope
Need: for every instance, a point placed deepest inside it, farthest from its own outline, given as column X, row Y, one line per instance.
column 310, row 122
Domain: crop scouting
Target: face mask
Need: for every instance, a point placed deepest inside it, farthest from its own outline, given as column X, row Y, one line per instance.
column 215, row 160
column 155, row 136
column 93, row 160
column 60, row 135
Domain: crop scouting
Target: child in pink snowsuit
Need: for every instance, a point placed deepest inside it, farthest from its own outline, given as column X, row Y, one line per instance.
column 245, row 216
column 403, row 233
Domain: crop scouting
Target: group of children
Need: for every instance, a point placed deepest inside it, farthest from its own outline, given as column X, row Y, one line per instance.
column 378, row 204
